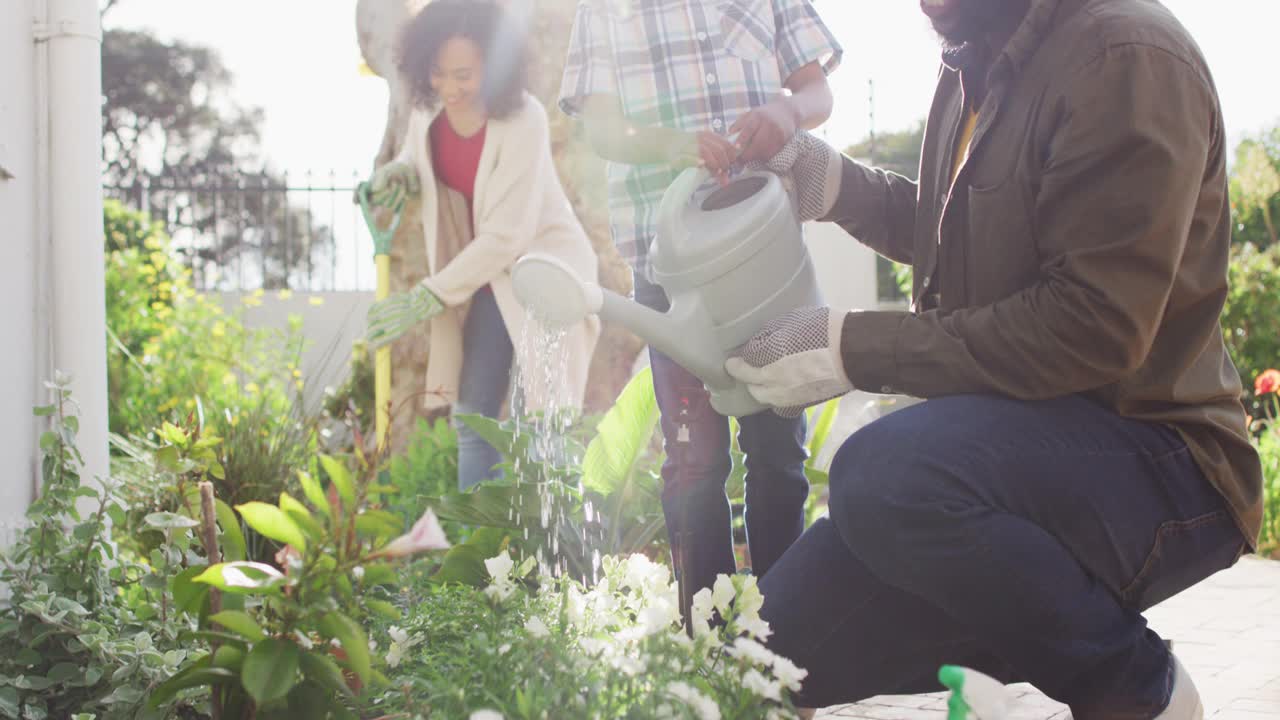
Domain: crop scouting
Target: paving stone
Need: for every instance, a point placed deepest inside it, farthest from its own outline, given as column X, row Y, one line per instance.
column 1225, row 630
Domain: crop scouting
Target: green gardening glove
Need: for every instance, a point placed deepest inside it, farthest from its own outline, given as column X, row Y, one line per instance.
column 392, row 184
column 396, row 315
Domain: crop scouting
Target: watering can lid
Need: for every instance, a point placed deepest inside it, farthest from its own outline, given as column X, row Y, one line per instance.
column 709, row 230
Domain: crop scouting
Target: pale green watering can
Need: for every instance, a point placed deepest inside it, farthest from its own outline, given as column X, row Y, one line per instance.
column 730, row 259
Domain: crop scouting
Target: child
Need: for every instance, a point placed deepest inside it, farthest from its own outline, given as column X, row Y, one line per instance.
column 662, row 84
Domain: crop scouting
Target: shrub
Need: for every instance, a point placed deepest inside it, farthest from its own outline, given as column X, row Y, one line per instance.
column 1266, row 429
column 1251, row 318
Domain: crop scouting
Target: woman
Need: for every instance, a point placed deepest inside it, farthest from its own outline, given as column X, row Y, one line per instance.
column 479, row 148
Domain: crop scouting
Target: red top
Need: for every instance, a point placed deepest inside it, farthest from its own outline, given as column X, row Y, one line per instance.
column 454, row 158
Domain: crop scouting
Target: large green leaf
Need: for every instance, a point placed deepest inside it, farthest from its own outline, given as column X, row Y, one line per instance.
column 622, row 437
column 311, row 488
column 301, row 516
column 232, row 538
column 340, row 476
column 243, row 577
column 188, row 595
column 820, row 430
column 169, row 521
column 270, row 521
column 508, row 443
column 239, row 622
column 270, row 670
column 464, row 563
column 491, row 505
column 324, row 672
column 354, row 643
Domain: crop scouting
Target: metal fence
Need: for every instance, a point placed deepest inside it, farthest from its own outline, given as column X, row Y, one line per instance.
column 245, row 231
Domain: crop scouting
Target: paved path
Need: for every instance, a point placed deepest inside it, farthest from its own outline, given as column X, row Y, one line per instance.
column 1225, row 630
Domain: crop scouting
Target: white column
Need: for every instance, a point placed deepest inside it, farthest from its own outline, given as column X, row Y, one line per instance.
column 18, row 242
column 75, row 268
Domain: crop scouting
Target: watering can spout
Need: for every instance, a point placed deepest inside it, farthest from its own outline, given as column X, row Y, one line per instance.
column 555, row 293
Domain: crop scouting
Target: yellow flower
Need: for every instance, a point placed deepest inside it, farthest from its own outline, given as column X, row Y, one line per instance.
column 252, row 388
column 168, row 405
column 158, row 260
column 284, row 294
column 298, row 384
column 229, row 379
column 219, row 329
column 259, row 293
column 297, row 373
column 254, row 300
column 316, row 300
column 191, row 404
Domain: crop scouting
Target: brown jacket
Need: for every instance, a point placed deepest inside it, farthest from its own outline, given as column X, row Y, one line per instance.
column 1084, row 245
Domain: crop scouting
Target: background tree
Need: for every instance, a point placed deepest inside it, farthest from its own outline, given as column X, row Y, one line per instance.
column 897, row 152
column 1255, row 189
column 176, row 143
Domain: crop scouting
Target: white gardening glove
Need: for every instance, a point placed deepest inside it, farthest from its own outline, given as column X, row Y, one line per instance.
column 811, row 170
column 393, row 183
column 396, row 315
column 794, row 362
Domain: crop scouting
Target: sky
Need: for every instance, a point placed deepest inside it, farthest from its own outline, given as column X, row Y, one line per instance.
column 299, row 61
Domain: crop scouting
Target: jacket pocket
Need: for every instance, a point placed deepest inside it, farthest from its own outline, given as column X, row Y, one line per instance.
column 746, row 29
column 1000, row 256
column 1184, row 553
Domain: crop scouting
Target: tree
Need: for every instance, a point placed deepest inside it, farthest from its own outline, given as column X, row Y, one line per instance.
column 1255, row 189
column 176, row 143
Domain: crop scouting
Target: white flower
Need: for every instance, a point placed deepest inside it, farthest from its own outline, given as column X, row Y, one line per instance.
column 704, row 707
column 499, row 567
column 394, row 654
column 504, row 649
column 762, row 686
column 658, row 616
column 304, row 642
column 575, row 607
column 357, row 572
column 701, row 609
column 426, row 534
column 486, row 714
column 398, row 635
column 749, row 599
column 788, row 673
column 752, row 651
column 591, row 646
column 536, row 627
column 499, row 592
column 755, row 627
column 722, row 593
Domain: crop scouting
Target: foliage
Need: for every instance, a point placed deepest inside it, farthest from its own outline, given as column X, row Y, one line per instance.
column 428, row 468
column 288, row 640
column 1251, row 317
column 84, row 629
column 538, row 647
column 353, row 401
column 1255, row 189
column 172, row 350
column 1266, row 430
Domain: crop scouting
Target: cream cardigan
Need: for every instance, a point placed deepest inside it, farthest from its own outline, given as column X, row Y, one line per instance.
column 519, row 207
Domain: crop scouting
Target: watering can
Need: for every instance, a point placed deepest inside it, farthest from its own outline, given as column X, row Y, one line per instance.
column 730, row 259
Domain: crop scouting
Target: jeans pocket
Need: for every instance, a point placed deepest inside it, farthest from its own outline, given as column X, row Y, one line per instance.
column 1184, row 553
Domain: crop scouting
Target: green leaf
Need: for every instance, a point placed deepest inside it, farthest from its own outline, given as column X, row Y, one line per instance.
column 506, row 442
column 379, row 524
column 188, row 594
column 315, row 494
column 354, row 643
column 340, row 476
column 622, row 437
column 232, row 538
column 323, row 671
column 301, row 516
column 383, row 608
column 229, row 657
column 270, row 521
column 169, row 521
column 173, row 434
column 44, row 410
column 380, row 574
column 464, row 563
column 491, row 505
column 9, row 702
column 270, row 670
column 822, row 428
column 197, row 674
column 239, row 622
column 243, row 577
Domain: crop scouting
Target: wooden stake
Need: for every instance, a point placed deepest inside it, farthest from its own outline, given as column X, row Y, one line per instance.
column 209, row 537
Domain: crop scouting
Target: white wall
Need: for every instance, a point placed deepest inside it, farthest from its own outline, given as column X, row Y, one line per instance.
column 18, row 336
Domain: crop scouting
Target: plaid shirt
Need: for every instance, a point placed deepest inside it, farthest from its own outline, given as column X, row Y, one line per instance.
column 685, row 64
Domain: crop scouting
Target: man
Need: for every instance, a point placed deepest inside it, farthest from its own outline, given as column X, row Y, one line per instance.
column 1082, row 453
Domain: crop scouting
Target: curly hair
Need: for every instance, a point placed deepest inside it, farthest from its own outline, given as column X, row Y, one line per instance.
column 484, row 22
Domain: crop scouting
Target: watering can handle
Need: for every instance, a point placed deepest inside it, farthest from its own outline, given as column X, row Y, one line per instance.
column 381, row 238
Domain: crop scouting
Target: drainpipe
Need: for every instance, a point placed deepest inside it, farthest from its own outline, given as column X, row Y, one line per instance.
column 73, row 269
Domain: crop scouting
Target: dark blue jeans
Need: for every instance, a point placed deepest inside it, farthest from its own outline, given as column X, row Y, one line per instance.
column 485, row 381
column 694, row 503
column 1023, row 539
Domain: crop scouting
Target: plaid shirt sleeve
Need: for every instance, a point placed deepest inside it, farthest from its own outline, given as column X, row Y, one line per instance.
column 803, row 38
column 589, row 68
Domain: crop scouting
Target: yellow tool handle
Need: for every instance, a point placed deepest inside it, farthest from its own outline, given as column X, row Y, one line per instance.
column 382, row 361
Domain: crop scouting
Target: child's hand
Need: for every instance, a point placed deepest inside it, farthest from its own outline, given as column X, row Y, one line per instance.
column 763, row 132
column 707, row 150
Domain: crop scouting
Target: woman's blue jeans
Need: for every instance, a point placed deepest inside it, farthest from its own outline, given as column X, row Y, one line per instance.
column 1020, row 538
column 486, row 379
column 694, row 504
